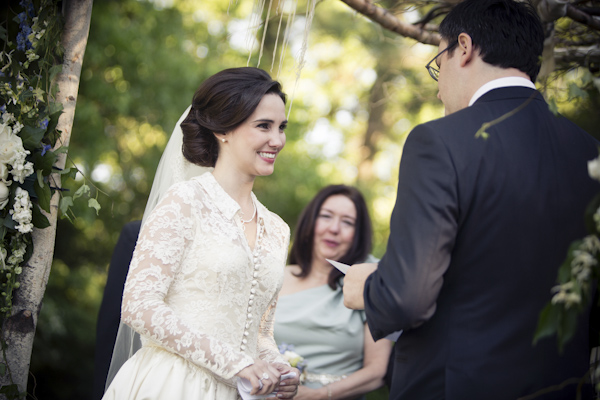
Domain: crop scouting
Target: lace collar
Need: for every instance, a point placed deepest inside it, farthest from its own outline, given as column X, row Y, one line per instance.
column 227, row 205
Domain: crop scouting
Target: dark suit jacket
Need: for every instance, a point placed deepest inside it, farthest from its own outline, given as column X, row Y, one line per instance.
column 477, row 234
column 110, row 308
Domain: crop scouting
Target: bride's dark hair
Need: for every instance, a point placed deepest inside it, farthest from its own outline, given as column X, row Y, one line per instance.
column 222, row 103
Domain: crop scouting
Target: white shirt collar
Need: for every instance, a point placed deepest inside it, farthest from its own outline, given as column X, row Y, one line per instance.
column 501, row 82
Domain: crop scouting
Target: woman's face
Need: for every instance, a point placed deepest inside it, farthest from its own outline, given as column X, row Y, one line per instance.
column 253, row 146
column 334, row 228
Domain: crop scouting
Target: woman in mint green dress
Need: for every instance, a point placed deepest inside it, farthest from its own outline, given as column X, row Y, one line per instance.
column 342, row 360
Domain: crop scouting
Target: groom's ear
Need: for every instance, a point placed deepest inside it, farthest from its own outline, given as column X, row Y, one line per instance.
column 465, row 49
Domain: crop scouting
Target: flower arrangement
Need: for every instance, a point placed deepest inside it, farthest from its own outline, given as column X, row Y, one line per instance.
column 295, row 360
column 576, row 277
column 28, row 119
column 30, row 145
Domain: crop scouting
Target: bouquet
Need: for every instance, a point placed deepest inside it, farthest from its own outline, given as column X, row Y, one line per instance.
column 295, row 359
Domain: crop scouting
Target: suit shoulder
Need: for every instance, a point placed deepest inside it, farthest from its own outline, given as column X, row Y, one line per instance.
column 131, row 230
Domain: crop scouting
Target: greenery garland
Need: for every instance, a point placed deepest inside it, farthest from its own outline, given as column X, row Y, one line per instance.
column 30, row 59
column 577, row 277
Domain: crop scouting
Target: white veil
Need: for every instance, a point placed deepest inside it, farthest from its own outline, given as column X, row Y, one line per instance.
column 172, row 168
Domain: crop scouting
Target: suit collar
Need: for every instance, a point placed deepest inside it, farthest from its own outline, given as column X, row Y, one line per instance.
column 514, row 92
column 509, row 81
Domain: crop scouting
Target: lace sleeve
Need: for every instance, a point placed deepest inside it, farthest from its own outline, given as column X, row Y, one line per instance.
column 156, row 262
column 268, row 350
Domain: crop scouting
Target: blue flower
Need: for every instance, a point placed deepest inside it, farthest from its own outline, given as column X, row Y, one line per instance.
column 46, row 147
column 23, row 42
column 283, row 347
column 44, row 124
column 28, row 6
column 3, row 108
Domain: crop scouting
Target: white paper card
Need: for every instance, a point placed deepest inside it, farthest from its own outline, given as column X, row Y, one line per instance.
column 341, row 266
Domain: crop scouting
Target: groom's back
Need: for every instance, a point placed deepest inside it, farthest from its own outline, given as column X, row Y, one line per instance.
column 521, row 199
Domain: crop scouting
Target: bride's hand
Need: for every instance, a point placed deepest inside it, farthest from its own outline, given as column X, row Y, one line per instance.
column 261, row 372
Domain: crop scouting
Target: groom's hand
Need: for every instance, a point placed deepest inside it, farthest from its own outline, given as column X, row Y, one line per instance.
column 288, row 388
column 354, row 285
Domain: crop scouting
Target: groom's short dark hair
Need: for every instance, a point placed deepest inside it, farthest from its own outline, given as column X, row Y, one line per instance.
column 507, row 33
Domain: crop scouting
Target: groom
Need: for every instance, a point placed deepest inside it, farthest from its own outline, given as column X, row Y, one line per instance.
column 480, row 226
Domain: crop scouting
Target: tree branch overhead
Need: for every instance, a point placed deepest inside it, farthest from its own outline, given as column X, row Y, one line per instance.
column 390, row 22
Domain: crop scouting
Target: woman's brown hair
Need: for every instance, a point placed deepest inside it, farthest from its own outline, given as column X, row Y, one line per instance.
column 302, row 248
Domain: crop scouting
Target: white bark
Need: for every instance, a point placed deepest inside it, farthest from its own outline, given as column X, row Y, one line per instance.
column 19, row 329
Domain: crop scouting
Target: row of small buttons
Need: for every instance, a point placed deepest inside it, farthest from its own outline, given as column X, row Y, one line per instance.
column 255, row 262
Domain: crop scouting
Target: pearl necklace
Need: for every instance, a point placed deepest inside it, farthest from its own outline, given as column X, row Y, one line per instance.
column 251, row 218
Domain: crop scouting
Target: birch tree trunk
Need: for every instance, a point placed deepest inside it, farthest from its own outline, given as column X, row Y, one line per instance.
column 19, row 329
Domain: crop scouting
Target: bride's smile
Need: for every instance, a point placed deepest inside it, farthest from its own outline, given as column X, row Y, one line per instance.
column 252, row 147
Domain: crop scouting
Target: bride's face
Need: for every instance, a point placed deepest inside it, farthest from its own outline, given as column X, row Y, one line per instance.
column 252, row 148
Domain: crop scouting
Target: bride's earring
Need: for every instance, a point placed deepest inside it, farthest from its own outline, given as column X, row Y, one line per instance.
column 223, row 140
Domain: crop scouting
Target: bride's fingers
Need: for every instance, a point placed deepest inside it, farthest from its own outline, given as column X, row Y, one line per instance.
column 270, row 379
column 265, row 383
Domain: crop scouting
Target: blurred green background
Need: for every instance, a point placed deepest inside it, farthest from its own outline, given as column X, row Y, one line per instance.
column 359, row 93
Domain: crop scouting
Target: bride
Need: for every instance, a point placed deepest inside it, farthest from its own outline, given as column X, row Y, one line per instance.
column 208, row 265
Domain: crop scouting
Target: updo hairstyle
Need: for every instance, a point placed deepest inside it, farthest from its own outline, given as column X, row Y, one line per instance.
column 221, row 104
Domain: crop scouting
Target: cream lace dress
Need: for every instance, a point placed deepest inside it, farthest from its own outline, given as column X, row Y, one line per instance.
column 201, row 298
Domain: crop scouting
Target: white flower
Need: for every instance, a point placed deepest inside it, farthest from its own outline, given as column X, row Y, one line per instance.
column 583, row 258
column 581, row 266
column 4, row 193
column 294, row 359
column 21, row 212
column 10, row 144
column 8, row 117
column 566, row 295
column 591, row 243
column 18, row 255
column 21, row 169
column 17, row 128
column 4, row 174
column 5, row 128
column 13, row 153
column 594, row 168
column 31, row 55
column 3, row 253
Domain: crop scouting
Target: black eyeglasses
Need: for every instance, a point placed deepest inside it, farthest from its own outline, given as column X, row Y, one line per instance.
column 435, row 72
